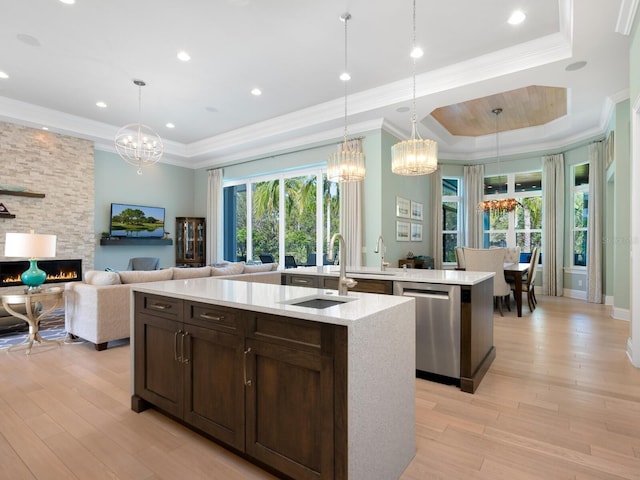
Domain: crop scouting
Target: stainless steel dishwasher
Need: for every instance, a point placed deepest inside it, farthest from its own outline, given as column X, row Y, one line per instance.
column 437, row 326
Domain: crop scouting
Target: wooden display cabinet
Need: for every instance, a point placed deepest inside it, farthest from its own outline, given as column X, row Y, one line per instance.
column 190, row 242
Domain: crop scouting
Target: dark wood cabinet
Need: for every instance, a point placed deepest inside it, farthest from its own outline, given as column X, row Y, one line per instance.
column 272, row 387
column 190, row 242
column 366, row 285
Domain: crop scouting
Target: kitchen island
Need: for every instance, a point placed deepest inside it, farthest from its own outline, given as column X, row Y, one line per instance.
column 304, row 382
column 454, row 315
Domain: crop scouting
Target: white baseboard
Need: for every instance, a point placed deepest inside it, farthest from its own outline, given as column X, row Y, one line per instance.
column 630, row 353
column 621, row 314
column 577, row 294
column 608, row 299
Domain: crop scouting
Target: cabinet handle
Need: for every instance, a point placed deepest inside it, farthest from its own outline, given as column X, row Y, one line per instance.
column 300, row 281
column 160, row 306
column 215, row 318
column 185, row 358
column 175, row 346
column 246, row 382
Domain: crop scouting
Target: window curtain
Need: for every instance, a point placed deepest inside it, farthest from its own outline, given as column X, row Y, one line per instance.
column 436, row 221
column 473, row 190
column 553, row 224
column 214, row 216
column 351, row 215
column 595, row 223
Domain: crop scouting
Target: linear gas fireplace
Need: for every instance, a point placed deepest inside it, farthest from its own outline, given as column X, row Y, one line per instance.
column 58, row 271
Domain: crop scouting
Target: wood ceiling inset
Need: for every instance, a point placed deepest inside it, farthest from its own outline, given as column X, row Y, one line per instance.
column 521, row 108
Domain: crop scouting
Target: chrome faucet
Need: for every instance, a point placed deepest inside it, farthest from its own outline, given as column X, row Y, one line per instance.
column 383, row 264
column 344, row 283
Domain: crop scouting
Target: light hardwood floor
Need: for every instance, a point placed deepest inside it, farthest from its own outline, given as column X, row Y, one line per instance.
column 561, row 401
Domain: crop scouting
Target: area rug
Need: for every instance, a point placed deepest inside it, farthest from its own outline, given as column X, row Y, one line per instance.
column 51, row 328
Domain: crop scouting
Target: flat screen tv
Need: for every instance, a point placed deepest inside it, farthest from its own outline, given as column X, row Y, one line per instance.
column 136, row 221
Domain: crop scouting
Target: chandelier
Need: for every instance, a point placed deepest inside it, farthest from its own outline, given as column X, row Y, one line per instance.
column 505, row 204
column 414, row 156
column 136, row 143
column 347, row 164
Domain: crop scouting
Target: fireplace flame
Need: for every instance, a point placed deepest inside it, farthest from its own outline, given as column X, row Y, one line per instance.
column 60, row 276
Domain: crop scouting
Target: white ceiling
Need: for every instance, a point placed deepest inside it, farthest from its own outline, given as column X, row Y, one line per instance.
column 294, row 51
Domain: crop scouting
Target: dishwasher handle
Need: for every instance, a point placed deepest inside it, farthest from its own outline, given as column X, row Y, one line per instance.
column 434, row 294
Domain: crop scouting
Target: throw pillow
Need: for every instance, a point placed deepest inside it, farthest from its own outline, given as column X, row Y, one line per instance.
column 229, row 269
column 264, row 267
column 141, row 276
column 185, row 273
column 98, row 277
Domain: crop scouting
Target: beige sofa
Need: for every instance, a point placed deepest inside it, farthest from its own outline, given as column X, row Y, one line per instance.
column 98, row 308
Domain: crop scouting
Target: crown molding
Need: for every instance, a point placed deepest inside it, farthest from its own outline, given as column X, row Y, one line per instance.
column 626, row 16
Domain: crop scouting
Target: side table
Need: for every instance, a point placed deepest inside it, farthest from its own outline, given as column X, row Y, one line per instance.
column 37, row 306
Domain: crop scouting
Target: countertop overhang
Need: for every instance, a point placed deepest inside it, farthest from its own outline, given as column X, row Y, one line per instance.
column 274, row 299
column 449, row 277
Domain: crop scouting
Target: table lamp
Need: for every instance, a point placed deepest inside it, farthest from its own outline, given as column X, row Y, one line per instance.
column 31, row 246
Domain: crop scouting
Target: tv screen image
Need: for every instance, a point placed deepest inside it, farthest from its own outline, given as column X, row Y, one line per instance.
column 136, row 221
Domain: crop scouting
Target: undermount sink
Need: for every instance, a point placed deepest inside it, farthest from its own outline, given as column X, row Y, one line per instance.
column 318, row 301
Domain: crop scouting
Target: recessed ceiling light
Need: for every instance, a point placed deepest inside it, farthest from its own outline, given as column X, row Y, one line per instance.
column 184, row 56
column 170, row 125
column 416, row 52
column 211, row 109
column 68, row 2
column 402, row 109
column 101, row 104
column 517, row 17
column 45, row 128
column 345, row 77
column 575, row 66
column 3, row 75
column 256, row 91
column 28, row 39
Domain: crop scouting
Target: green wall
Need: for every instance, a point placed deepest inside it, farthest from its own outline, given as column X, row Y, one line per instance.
column 160, row 185
column 621, row 238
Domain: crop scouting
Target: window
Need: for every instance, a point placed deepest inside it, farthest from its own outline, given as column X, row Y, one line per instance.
column 523, row 226
column 451, row 218
column 580, row 214
column 281, row 214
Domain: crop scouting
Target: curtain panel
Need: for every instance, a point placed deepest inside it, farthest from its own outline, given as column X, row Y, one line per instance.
column 595, row 223
column 214, row 216
column 436, row 221
column 553, row 224
column 473, row 192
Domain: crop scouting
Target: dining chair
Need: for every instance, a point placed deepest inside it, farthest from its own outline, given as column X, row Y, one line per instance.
column 460, row 258
column 290, row 261
column 266, row 258
column 531, row 277
column 490, row 260
column 144, row 263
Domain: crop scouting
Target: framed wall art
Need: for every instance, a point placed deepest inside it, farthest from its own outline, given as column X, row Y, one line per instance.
column 416, row 232
column 403, row 231
column 416, row 211
column 403, row 207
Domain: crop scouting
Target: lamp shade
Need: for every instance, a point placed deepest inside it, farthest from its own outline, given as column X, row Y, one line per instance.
column 29, row 245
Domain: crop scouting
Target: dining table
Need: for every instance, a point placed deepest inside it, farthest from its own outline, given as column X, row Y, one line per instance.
column 516, row 271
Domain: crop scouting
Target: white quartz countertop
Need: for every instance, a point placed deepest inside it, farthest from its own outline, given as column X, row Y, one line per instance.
column 274, row 299
column 449, row 277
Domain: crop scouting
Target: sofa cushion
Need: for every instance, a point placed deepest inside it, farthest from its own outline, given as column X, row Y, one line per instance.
column 264, row 267
column 140, row 276
column 98, row 277
column 229, row 269
column 184, row 273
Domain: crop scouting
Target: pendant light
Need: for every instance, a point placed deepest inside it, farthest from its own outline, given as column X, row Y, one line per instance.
column 415, row 156
column 347, row 164
column 506, row 204
column 138, row 144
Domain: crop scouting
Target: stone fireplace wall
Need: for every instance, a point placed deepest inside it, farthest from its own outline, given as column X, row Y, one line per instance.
column 60, row 167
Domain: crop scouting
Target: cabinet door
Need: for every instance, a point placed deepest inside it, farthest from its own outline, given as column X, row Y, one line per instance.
column 214, row 387
column 158, row 371
column 289, row 417
column 384, row 287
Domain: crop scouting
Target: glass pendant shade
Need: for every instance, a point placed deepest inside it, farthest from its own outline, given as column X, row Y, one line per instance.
column 414, row 157
column 346, row 165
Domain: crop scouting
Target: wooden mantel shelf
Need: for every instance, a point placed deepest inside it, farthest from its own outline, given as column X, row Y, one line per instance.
column 21, row 194
column 136, row 241
column 7, row 215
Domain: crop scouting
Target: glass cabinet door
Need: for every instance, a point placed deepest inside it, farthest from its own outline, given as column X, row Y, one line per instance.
column 190, row 242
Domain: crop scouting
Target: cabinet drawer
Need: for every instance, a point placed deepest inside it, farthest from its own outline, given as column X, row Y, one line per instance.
column 366, row 285
column 160, row 306
column 287, row 331
column 210, row 316
column 302, row 280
